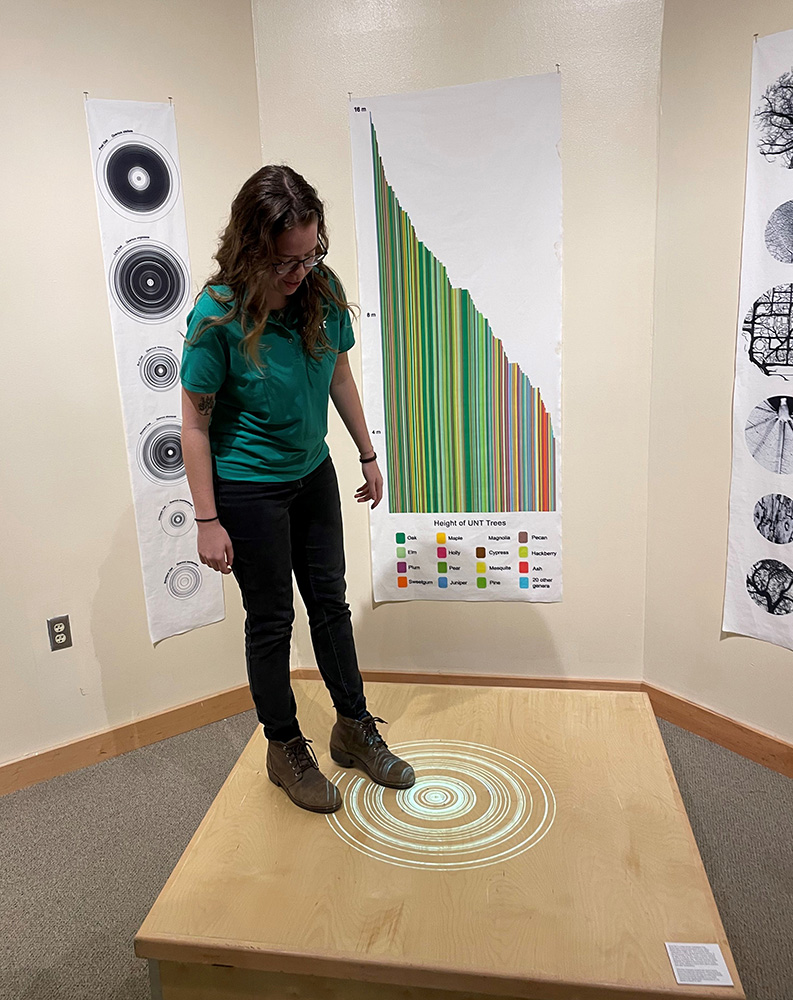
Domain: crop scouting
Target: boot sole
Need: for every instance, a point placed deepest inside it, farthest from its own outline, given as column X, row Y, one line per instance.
column 347, row 760
column 302, row 805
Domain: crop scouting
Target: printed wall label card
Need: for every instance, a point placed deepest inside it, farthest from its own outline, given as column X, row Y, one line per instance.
column 698, row 964
column 458, row 215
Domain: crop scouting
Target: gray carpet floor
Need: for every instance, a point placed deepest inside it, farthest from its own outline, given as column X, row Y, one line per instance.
column 83, row 857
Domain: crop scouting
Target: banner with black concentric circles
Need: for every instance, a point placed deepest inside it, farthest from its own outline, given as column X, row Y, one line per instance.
column 138, row 185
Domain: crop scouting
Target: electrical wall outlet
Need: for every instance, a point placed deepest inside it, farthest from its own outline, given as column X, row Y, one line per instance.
column 60, row 632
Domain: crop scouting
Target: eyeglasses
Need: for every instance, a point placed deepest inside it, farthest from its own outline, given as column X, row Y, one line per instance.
column 286, row 267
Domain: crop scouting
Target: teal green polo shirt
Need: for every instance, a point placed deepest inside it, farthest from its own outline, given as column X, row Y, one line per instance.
column 269, row 424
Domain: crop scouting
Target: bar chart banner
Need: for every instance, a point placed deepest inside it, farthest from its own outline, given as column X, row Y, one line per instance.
column 458, row 214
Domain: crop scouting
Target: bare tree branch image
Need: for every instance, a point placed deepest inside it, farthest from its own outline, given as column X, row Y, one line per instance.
column 769, row 435
column 773, row 518
column 779, row 233
column 774, row 121
column 769, row 328
column 770, row 584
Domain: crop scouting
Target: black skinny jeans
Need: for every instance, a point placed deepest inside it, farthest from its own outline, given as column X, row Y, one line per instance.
column 277, row 529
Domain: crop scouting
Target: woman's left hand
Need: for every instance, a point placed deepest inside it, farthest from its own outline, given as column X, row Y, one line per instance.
column 372, row 489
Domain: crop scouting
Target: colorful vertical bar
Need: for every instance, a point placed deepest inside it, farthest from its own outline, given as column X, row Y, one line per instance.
column 465, row 429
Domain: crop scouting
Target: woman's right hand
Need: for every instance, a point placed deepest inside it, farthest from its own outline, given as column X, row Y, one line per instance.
column 214, row 546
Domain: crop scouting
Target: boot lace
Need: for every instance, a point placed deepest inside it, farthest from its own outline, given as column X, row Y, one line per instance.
column 370, row 733
column 300, row 755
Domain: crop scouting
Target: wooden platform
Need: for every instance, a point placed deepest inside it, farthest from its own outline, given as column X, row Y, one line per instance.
column 544, row 853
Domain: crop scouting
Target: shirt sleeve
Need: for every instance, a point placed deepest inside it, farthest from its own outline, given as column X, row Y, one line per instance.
column 346, row 335
column 204, row 361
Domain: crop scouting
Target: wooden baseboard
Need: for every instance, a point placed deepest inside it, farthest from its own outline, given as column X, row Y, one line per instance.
column 736, row 736
column 754, row 744
column 100, row 746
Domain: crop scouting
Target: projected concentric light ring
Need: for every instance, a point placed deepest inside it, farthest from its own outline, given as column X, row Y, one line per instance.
column 471, row 806
column 426, row 800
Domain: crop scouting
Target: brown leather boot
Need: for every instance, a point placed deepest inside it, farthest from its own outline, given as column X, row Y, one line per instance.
column 359, row 744
column 294, row 768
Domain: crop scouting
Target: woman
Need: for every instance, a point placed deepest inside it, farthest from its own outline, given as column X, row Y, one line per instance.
column 267, row 345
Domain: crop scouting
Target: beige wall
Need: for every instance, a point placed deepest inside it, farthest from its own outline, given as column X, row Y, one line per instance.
column 706, row 68
column 310, row 56
column 645, row 492
column 68, row 528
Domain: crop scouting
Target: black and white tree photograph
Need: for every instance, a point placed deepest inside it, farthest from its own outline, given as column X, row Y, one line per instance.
column 779, row 233
column 768, row 327
column 770, row 584
column 769, row 435
column 773, row 518
column 774, row 121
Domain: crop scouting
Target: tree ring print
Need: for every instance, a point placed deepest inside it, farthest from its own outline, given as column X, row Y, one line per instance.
column 773, row 518
column 183, row 581
column 160, row 452
column 177, row 517
column 471, row 806
column 773, row 119
column 770, row 584
column 149, row 281
column 159, row 369
column 769, row 434
column 137, row 177
column 769, row 328
column 779, row 233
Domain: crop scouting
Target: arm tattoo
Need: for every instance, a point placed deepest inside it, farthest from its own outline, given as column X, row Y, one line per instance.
column 206, row 404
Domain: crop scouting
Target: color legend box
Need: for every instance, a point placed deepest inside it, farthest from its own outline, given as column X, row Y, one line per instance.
column 467, row 562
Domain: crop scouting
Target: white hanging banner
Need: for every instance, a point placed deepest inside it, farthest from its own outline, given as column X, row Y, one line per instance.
column 759, row 593
column 144, row 241
column 458, row 205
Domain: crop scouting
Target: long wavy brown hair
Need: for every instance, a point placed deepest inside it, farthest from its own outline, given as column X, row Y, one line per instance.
column 273, row 200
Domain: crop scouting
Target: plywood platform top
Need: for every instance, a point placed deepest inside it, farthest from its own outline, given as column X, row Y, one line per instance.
column 544, row 852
